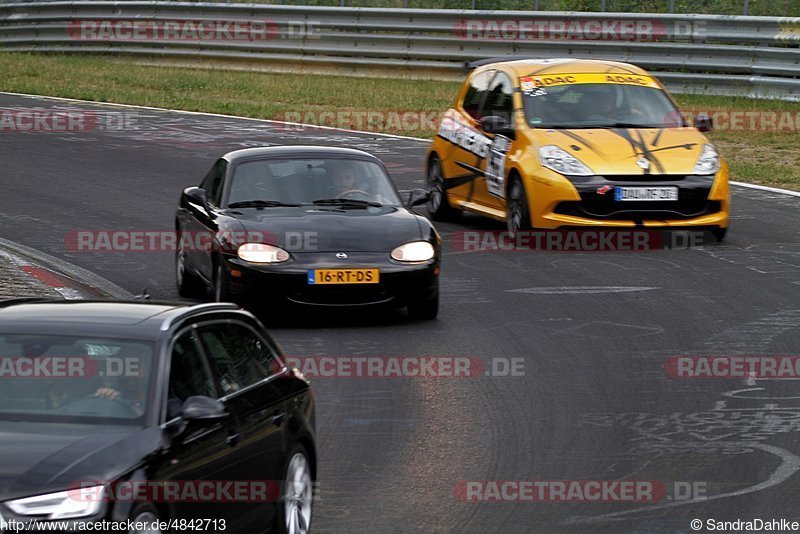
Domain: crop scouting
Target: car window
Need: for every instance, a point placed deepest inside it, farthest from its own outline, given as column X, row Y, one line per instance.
column 238, row 354
column 212, row 183
column 478, row 87
column 74, row 378
column 499, row 100
column 189, row 374
column 306, row 180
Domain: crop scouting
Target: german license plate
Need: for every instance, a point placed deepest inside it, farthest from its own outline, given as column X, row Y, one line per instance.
column 639, row 194
column 343, row 276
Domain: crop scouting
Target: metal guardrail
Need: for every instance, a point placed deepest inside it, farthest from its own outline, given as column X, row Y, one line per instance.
column 726, row 55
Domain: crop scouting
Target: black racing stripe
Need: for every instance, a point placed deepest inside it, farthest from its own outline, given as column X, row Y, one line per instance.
column 580, row 139
column 648, row 154
column 655, row 140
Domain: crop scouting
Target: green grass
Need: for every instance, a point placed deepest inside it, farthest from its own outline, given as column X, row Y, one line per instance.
column 769, row 158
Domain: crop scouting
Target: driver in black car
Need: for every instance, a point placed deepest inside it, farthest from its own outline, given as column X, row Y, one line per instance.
column 130, row 389
column 344, row 180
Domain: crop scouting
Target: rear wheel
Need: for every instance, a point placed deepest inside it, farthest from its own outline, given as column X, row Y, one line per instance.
column 439, row 207
column 189, row 285
column 518, row 217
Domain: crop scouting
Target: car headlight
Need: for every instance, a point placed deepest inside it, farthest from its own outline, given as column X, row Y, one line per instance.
column 262, row 253
column 414, row 251
column 562, row 162
column 708, row 162
column 83, row 502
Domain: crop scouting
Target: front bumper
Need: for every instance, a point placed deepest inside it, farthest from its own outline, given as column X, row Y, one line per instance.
column 398, row 283
column 699, row 203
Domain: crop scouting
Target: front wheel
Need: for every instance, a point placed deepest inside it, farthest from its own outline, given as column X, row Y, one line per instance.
column 518, row 216
column 719, row 234
column 297, row 491
column 189, row 285
column 146, row 516
column 222, row 284
column 424, row 309
column 439, row 207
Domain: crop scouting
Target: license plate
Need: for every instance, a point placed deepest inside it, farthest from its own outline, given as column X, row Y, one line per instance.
column 343, row 276
column 639, row 194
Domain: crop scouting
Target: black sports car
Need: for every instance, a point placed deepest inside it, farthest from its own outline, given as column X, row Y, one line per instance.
column 153, row 413
column 311, row 225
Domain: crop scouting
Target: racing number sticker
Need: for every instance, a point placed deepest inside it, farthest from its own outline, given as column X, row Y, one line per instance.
column 496, row 166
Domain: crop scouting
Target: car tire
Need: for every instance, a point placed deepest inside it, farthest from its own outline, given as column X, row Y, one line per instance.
column 426, row 309
column 189, row 285
column 221, row 292
column 719, row 234
column 297, row 494
column 439, row 208
column 518, row 217
column 145, row 513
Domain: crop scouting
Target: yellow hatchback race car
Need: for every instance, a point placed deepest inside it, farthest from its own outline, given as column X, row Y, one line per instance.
column 562, row 143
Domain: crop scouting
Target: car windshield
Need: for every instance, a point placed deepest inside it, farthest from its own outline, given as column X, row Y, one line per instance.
column 276, row 182
column 599, row 105
column 74, row 379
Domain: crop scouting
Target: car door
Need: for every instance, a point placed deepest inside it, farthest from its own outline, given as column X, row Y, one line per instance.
column 468, row 145
column 202, row 226
column 499, row 102
column 245, row 364
column 197, row 451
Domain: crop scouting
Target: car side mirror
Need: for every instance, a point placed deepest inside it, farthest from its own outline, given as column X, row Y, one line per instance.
column 495, row 124
column 199, row 408
column 703, row 122
column 417, row 197
column 197, row 196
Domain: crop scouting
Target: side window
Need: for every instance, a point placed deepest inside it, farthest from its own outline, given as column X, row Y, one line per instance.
column 240, row 357
column 212, row 183
column 478, row 87
column 189, row 374
column 500, row 100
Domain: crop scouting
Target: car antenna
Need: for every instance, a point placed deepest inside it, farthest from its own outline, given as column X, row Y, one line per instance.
column 144, row 295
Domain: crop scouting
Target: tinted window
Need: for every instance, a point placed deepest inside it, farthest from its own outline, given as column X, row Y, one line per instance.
column 240, row 357
column 212, row 183
column 189, row 374
column 478, row 87
column 73, row 378
column 499, row 100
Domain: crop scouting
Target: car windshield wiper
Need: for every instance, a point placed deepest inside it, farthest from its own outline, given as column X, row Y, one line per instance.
column 598, row 126
column 347, row 202
column 262, row 204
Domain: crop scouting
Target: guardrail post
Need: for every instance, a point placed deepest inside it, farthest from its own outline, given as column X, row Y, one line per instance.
column 746, row 10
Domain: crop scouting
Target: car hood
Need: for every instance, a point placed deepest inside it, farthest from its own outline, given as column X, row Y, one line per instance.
column 312, row 229
column 37, row 459
column 625, row 151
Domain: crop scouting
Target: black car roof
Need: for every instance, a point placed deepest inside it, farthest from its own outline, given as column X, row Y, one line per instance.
column 300, row 150
column 137, row 319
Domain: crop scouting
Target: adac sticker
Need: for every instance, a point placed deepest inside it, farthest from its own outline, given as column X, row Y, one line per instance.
column 529, row 84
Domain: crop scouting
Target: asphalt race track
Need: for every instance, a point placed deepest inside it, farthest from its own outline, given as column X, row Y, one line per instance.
column 593, row 330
